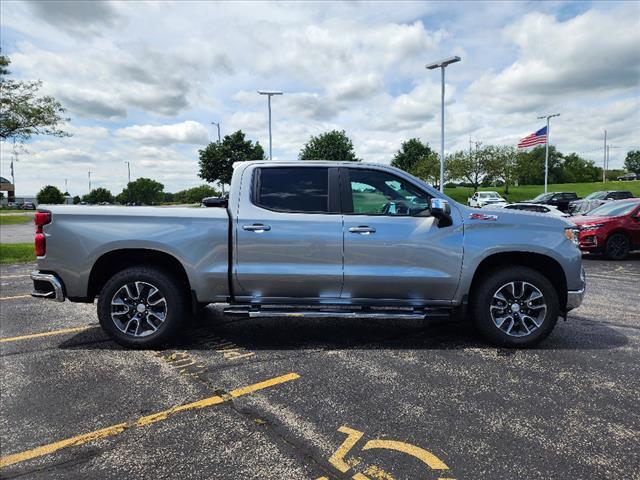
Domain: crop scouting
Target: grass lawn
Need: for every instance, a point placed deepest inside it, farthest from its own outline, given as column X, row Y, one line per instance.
column 526, row 192
column 17, row 253
column 15, row 219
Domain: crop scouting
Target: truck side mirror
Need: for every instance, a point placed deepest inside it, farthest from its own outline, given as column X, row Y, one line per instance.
column 441, row 210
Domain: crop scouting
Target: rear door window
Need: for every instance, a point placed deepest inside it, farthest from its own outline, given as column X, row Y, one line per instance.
column 293, row 189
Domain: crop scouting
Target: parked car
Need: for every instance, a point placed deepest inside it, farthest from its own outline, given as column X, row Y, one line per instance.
column 536, row 208
column 595, row 199
column 28, row 206
column 629, row 176
column 612, row 229
column 483, row 199
column 312, row 239
column 560, row 200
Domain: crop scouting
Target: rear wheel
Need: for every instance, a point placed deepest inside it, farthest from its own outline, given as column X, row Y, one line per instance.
column 142, row 307
column 515, row 307
column 617, row 246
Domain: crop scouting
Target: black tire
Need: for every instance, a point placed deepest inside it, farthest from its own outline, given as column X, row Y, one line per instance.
column 483, row 304
column 617, row 246
column 174, row 307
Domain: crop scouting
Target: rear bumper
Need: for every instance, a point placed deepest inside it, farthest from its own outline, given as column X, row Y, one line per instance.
column 47, row 285
column 574, row 297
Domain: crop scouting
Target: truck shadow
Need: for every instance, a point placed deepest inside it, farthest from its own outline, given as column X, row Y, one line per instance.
column 286, row 333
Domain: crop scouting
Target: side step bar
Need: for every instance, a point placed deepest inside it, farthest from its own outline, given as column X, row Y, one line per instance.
column 335, row 313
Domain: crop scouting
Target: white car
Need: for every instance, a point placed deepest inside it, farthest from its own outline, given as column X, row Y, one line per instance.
column 483, row 199
column 537, row 208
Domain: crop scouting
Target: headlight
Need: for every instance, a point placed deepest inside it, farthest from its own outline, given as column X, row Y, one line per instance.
column 594, row 226
column 572, row 234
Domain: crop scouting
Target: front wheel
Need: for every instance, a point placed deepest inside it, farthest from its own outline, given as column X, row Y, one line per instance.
column 617, row 246
column 142, row 307
column 515, row 307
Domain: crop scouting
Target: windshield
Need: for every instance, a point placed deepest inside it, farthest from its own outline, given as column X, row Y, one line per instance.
column 614, row 209
column 596, row 196
column 543, row 196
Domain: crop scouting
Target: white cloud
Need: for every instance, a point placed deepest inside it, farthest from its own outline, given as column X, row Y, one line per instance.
column 142, row 81
column 185, row 132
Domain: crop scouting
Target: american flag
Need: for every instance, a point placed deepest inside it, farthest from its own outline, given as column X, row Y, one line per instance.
column 536, row 138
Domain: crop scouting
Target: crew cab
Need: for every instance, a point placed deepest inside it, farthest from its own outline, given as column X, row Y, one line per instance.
column 595, row 199
column 484, row 199
column 612, row 229
column 312, row 239
column 560, row 200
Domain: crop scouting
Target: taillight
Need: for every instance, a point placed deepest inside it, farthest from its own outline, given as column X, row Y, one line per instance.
column 41, row 219
column 41, row 245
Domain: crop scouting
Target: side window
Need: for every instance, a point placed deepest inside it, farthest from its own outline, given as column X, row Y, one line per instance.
column 380, row 193
column 291, row 189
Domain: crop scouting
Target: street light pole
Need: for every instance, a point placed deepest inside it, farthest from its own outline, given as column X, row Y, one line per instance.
column 442, row 64
column 89, row 182
column 604, row 159
column 269, row 94
column 217, row 125
column 546, row 150
column 128, row 171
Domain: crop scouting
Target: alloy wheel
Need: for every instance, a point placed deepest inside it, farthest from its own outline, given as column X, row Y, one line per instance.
column 138, row 309
column 518, row 308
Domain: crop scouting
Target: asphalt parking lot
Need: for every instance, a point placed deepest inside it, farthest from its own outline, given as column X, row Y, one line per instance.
column 321, row 399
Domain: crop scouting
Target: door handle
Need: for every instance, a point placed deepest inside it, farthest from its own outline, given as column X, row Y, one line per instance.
column 256, row 227
column 362, row 230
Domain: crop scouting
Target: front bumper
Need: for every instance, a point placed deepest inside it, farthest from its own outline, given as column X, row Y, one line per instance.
column 47, row 285
column 574, row 297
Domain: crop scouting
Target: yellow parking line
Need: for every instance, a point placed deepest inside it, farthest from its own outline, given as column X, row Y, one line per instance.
column 46, row 334
column 13, row 298
column 142, row 421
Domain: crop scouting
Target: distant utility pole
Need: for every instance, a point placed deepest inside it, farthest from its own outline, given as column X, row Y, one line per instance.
column 89, row 182
column 217, row 125
column 269, row 94
column 604, row 159
column 65, row 186
column 546, row 151
column 128, row 171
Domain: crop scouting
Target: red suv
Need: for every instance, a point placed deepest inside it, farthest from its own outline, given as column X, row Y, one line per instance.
column 612, row 228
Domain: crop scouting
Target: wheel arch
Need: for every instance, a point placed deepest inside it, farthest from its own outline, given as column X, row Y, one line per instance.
column 115, row 261
column 544, row 264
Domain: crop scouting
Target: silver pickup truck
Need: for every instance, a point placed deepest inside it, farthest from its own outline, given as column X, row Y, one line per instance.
column 312, row 239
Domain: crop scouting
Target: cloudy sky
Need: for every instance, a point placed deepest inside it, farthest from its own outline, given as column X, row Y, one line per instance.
column 142, row 82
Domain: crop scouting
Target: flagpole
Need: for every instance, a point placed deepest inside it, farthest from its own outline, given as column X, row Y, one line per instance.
column 546, row 151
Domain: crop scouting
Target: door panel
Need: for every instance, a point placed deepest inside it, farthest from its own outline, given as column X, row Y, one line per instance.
column 281, row 252
column 392, row 247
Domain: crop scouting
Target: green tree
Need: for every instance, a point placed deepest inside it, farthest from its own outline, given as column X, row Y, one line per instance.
column 576, row 169
column 531, row 166
column 428, row 169
column 23, row 113
column 50, row 195
column 632, row 161
column 98, row 195
column 469, row 166
column 410, row 155
column 217, row 158
column 195, row 194
column 76, row 200
column 333, row 145
column 168, row 197
column 142, row 191
column 501, row 164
